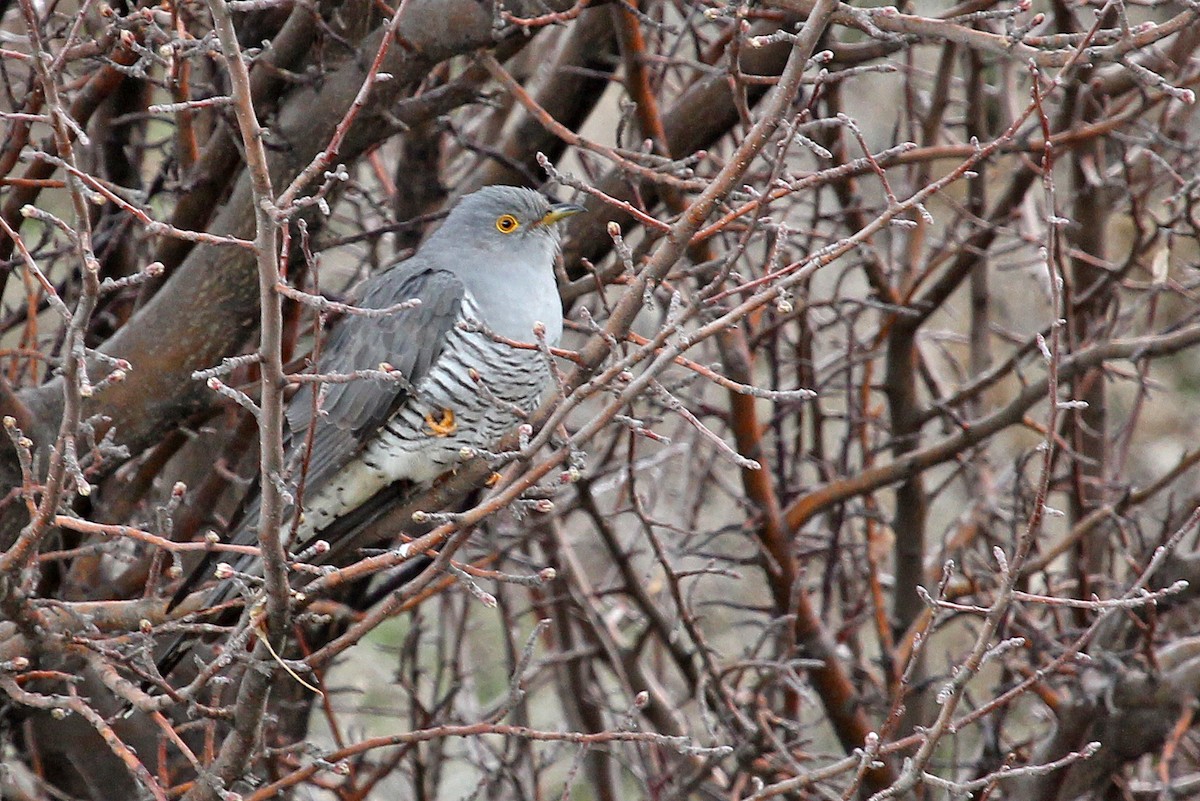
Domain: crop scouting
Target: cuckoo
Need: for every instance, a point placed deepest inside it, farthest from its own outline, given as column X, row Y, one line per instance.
column 482, row 281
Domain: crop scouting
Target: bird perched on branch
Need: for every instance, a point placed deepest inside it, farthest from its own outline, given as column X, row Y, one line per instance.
column 445, row 374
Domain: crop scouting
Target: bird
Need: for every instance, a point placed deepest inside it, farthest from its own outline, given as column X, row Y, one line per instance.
column 442, row 330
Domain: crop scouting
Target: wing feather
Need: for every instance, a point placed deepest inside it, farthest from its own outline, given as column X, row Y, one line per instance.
column 410, row 340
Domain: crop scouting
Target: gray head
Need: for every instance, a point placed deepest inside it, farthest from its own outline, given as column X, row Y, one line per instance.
column 501, row 242
column 504, row 219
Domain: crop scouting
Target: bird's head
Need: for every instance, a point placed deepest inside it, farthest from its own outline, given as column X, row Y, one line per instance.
column 507, row 219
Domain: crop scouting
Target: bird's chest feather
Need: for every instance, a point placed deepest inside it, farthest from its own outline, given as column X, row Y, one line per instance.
column 512, row 298
column 475, row 392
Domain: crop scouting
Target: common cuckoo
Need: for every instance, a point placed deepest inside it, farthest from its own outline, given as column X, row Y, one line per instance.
column 484, row 279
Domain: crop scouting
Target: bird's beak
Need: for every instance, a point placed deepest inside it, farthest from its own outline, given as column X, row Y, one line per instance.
column 559, row 212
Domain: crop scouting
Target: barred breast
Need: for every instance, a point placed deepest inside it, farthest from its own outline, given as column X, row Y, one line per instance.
column 486, row 387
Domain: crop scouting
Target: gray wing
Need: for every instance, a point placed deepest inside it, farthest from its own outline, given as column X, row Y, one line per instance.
column 410, row 340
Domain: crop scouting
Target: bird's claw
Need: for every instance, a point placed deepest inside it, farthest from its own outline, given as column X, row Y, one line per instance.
column 444, row 427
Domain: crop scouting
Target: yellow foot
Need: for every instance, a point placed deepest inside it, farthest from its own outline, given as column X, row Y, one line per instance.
column 444, row 427
column 493, row 480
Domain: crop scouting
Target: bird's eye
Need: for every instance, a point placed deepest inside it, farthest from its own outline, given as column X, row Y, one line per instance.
column 506, row 223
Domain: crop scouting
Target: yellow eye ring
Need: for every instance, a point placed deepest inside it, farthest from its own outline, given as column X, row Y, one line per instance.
column 506, row 224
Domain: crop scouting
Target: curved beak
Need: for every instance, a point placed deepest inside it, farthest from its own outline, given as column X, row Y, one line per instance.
column 559, row 212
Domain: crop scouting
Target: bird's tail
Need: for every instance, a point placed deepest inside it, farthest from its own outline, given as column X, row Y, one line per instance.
column 225, row 590
column 181, row 645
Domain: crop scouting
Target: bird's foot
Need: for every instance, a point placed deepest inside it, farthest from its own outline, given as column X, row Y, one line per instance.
column 444, row 427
